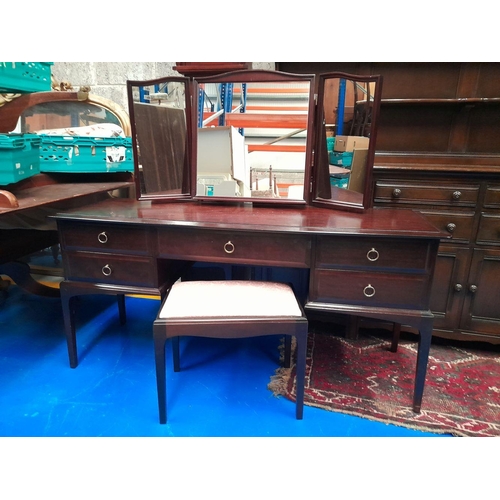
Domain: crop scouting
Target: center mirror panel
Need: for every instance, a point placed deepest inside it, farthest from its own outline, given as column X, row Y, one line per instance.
column 161, row 121
column 254, row 137
column 348, row 107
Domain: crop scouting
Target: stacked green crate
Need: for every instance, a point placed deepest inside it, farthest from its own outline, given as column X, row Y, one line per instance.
column 21, row 77
column 72, row 154
column 19, row 157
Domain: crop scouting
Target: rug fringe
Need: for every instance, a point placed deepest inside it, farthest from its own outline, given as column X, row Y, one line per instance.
column 279, row 381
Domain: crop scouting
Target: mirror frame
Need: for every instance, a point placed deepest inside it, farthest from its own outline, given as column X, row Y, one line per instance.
column 317, row 177
column 264, row 76
column 190, row 163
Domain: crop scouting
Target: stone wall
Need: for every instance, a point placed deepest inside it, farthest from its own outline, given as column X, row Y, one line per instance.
column 107, row 79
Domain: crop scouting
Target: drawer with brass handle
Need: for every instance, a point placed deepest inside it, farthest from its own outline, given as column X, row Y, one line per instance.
column 104, row 238
column 372, row 253
column 234, row 246
column 103, row 268
column 370, row 289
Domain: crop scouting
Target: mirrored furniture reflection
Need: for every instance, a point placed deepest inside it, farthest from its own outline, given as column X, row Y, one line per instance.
column 256, row 136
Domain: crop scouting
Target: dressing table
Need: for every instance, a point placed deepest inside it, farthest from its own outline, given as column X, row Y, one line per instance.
column 367, row 262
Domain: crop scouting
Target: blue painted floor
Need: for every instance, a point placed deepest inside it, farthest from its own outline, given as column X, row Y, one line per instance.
column 221, row 390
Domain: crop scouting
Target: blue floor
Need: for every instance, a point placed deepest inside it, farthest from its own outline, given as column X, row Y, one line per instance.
column 221, row 390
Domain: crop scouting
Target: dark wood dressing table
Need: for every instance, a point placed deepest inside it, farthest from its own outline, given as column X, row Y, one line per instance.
column 376, row 264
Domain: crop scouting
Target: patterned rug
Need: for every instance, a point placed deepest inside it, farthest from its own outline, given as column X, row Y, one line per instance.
column 363, row 378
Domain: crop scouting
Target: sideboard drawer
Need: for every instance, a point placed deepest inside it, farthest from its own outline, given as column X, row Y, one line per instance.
column 489, row 229
column 105, row 238
column 234, row 246
column 372, row 252
column 407, row 291
column 406, row 192
column 492, row 196
column 458, row 225
column 103, row 268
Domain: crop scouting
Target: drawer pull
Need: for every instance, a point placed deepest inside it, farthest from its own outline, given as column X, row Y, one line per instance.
column 102, row 237
column 456, row 195
column 106, row 270
column 369, row 291
column 372, row 255
column 473, row 289
column 458, row 287
column 396, row 193
column 229, row 247
column 451, row 227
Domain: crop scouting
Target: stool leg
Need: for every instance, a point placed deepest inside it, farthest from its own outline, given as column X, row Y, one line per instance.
column 176, row 354
column 288, row 351
column 161, row 379
column 300, row 374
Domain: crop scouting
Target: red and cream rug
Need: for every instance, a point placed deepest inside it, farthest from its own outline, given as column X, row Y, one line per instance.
column 362, row 377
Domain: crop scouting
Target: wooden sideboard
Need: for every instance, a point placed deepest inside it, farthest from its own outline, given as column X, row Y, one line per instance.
column 438, row 152
column 378, row 264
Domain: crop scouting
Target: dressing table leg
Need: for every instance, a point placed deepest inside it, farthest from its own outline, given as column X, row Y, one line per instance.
column 68, row 307
column 121, row 308
column 352, row 329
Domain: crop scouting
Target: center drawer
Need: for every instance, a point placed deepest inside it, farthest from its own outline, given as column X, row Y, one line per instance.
column 373, row 253
column 233, row 246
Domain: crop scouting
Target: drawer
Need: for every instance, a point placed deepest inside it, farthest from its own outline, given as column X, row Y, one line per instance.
column 103, row 268
column 405, row 255
column 407, row 291
column 429, row 193
column 458, row 225
column 489, row 229
column 233, row 246
column 104, row 237
column 492, row 196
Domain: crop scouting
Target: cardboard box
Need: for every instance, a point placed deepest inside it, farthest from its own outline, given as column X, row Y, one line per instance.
column 351, row 142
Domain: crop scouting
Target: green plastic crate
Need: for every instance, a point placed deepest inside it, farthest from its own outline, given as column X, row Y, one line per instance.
column 22, row 77
column 70, row 154
column 19, row 157
column 341, row 159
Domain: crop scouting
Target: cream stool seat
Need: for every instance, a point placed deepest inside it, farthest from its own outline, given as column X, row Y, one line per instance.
column 229, row 309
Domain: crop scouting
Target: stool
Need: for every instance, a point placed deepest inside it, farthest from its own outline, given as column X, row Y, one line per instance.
column 229, row 309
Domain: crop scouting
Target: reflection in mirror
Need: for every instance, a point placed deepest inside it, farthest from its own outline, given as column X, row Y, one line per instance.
column 252, row 140
column 348, row 107
column 57, row 116
column 159, row 112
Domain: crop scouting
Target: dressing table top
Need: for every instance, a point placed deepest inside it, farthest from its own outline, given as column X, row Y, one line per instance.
column 307, row 219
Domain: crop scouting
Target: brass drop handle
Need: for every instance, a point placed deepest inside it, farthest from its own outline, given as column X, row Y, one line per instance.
column 369, row 291
column 473, row 289
column 229, row 247
column 458, row 287
column 106, row 270
column 396, row 193
column 456, row 195
column 102, row 237
column 372, row 255
column 451, row 227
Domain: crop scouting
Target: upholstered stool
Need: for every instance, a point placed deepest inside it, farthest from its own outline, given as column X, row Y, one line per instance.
column 229, row 309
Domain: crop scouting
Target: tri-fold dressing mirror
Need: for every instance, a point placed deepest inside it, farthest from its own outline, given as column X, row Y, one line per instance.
column 256, row 136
